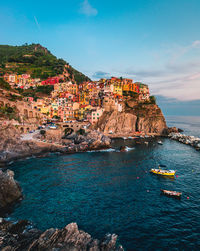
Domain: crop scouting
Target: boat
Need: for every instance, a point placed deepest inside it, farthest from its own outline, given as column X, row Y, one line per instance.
column 163, row 172
column 171, row 193
column 160, row 142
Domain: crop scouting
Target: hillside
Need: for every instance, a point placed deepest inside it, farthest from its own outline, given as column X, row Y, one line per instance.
column 37, row 61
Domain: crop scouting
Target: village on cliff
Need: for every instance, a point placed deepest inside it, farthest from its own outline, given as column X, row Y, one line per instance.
column 86, row 101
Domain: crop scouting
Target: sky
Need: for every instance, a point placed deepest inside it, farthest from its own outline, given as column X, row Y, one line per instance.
column 153, row 41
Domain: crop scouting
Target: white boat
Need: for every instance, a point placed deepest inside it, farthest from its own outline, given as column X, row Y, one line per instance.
column 160, row 142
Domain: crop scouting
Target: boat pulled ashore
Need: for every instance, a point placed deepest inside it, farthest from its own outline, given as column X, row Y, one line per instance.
column 163, row 172
column 171, row 193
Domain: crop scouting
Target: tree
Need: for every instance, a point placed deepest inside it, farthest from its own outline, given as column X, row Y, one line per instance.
column 81, row 132
column 153, row 99
column 43, row 133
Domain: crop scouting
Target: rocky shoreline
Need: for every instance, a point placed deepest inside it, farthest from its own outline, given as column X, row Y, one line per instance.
column 13, row 148
column 21, row 236
column 187, row 140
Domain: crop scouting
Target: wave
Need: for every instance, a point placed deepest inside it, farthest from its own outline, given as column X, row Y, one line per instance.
column 112, row 150
column 104, row 150
column 129, row 148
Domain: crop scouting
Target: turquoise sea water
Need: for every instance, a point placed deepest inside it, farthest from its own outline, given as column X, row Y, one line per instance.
column 113, row 192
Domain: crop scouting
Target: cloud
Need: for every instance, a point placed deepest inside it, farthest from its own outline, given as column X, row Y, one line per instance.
column 87, row 9
column 180, row 51
column 176, row 76
column 100, row 74
column 36, row 22
column 196, row 44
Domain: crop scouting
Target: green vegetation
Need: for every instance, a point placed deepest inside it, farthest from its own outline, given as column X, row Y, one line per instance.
column 4, row 84
column 37, row 92
column 56, row 117
column 13, row 97
column 9, row 112
column 81, row 132
column 45, row 89
column 152, row 99
column 43, row 133
column 134, row 95
column 35, row 60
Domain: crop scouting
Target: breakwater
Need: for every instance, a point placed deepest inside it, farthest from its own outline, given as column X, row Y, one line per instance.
column 185, row 139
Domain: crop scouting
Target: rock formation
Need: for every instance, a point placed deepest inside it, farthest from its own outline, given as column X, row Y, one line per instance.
column 9, row 189
column 17, row 236
column 12, row 147
column 117, row 122
column 91, row 141
column 143, row 117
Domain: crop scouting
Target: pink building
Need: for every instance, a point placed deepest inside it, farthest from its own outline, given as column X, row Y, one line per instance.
column 51, row 81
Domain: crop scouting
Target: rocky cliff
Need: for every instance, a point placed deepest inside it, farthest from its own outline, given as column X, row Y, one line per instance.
column 18, row 236
column 9, row 189
column 141, row 117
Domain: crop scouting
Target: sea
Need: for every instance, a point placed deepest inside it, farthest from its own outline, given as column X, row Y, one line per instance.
column 109, row 191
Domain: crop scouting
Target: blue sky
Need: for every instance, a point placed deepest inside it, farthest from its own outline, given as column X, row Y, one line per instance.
column 154, row 41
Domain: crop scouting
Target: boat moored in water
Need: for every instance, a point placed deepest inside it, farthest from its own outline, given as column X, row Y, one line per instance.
column 171, row 193
column 163, row 172
column 160, row 142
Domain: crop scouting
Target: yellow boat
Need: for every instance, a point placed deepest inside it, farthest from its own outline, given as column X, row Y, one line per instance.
column 163, row 172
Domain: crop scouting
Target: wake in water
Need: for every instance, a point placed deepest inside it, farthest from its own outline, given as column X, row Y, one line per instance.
column 104, row 150
column 112, row 150
column 129, row 148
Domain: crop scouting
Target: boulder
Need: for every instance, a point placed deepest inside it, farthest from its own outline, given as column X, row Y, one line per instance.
column 10, row 190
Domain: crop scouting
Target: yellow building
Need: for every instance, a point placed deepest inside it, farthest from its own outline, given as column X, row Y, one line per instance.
column 45, row 110
column 117, row 88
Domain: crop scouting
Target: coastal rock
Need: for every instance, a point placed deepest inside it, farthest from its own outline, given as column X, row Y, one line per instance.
column 12, row 147
column 18, row 236
column 9, row 189
column 172, row 130
column 185, row 139
column 146, row 118
column 117, row 122
column 90, row 141
column 122, row 149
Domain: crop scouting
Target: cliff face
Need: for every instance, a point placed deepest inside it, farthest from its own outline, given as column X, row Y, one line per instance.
column 117, row 122
column 150, row 118
column 147, row 118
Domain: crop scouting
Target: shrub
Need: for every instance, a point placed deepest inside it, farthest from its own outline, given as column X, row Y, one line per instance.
column 81, row 132
column 152, row 99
